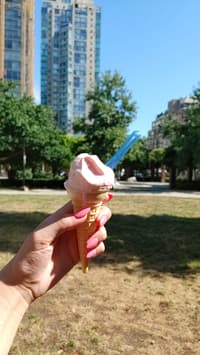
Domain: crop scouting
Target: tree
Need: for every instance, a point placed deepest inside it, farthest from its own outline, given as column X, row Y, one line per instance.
column 170, row 161
column 112, row 110
column 136, row 159
column 185, row 138
column 59, row 153
column 28, row 133
column 8, row 108
column 156, row 158
column 191, row 134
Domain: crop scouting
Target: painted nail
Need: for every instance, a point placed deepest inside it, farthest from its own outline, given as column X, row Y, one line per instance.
column 102, row 220
column 92, row 243
column 82, row 212
column 108, row 198
column 91, row 254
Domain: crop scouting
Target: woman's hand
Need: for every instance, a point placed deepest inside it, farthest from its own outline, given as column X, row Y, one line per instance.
column 51, row 251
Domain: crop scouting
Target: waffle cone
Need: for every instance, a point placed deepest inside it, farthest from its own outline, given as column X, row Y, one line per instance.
column 85, row 230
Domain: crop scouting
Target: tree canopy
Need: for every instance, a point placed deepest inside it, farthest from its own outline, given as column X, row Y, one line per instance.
column 184, row 150
column 29, row 129
column 111, row 112
column 22, row 123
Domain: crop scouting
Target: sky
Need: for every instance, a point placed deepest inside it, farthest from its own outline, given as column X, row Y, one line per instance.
column 153, row 44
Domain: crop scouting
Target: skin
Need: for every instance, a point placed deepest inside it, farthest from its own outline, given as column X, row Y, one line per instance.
column 46, row 255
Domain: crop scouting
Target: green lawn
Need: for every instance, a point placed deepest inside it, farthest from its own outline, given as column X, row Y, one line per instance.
column 163, row 233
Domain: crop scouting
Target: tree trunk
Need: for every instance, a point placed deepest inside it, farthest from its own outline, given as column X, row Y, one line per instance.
column 163, row 175
column 152, row 172
column 190, row 173
column 172, row 177
column 24, row 187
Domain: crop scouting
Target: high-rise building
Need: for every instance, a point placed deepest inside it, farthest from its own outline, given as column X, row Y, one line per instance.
column 70, row 57
column 16, row 43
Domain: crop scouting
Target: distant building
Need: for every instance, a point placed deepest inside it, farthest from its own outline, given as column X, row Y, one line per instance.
column 70, row 57
column 17, row 44
column 155, row 138
column 176, row 110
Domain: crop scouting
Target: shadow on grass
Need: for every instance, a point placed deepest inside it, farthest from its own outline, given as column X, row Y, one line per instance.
column 14, row 227
column 161, row 243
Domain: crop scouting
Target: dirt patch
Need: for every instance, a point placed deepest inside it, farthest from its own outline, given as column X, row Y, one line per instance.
column 110, row 311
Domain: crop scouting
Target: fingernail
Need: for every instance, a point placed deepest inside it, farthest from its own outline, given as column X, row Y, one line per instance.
column 108, row 198
column 102, row 220
column 82, row 212
column 92, row 243
column 91, row 254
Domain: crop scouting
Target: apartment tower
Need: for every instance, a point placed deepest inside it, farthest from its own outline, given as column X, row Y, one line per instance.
column 16, row 44
column 70, row 57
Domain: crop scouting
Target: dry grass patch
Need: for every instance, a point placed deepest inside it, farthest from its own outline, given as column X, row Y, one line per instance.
column 141, row 297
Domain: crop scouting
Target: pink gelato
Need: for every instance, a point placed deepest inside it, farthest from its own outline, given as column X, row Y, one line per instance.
column 88, row 174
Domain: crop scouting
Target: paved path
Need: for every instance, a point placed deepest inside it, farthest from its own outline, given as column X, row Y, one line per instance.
column 153, row 188
column 122, row 188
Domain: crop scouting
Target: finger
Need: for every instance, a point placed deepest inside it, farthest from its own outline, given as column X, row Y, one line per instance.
column 58, row 222
column 95, row 252
column 104, row 216
column 108, row 198
column 100, row 234
column 96, row 238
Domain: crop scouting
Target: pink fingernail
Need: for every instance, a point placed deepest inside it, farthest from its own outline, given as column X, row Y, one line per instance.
column 102, row 220
column 92, row 243
column 82, row 212
column 91, row 254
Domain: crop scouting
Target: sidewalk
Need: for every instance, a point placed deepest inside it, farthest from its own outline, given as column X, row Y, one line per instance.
column 121, row 188
column 32, row 192
column 153, row 188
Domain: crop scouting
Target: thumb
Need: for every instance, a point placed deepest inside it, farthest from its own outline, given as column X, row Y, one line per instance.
column 60, row 221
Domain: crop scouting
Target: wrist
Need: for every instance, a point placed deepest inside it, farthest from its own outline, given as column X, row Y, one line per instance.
column 25, row 294
column 12, row 309
column 14, row 297
column 11, row 285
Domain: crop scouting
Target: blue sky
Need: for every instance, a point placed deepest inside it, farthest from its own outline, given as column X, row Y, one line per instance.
column 154, row 44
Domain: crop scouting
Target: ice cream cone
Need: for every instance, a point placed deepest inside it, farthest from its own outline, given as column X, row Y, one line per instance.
column 88, row 183
column 85, row 230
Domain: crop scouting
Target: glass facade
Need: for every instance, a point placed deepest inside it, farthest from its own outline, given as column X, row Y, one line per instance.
column 13, row 43
column 70, row 57
column 16, row 57
column 97, row 44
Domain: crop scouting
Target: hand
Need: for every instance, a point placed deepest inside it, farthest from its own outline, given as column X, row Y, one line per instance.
column 51, row 251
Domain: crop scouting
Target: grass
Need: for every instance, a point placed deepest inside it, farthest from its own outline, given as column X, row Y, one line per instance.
column 162, row 233
column 140, row 297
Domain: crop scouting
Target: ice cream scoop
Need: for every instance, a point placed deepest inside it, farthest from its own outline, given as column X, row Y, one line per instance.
column 88, row 184
column 88, row 174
